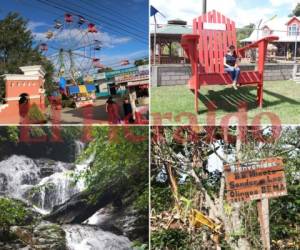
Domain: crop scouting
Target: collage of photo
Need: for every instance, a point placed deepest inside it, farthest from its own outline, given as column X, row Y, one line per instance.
column 149, row 125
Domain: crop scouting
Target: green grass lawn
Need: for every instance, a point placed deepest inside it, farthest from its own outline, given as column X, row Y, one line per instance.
column 282, row 98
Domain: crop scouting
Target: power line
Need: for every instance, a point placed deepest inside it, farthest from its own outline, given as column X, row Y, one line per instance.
column 46, row 10
column 72, row 11
column 113, row 21
column 110, row 23
column 128, row 19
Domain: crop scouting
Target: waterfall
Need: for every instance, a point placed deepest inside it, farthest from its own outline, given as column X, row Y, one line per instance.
column 81, row 237
column 44, row 183
column 79, row 147
column 55, row 189
column 18, row 174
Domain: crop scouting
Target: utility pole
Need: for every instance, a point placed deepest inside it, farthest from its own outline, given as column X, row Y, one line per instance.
column 204, row 6
column 154, row 45
column 296, row 43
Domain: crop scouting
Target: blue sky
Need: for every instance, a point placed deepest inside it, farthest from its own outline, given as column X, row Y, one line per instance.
column 123, row 25
column 241, row 11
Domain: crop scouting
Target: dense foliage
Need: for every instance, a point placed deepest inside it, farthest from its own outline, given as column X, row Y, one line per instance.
column 120, row 166
column 12, row 213
column 244, row 32
column 187, row 151
column 35, row 115
column 141, row 62
column 41, row 141
column 296, row 11
column 120, row 156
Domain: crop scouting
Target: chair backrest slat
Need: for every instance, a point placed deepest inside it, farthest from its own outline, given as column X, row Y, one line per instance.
column 217, row 33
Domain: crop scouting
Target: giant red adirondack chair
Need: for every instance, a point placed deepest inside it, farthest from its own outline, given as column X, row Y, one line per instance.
column 212, row 34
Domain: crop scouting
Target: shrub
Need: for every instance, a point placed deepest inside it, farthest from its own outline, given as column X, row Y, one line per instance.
column 12, row 213
column 35, row 115
column 169, row 239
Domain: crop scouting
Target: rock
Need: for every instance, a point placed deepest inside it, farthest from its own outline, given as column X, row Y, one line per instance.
column 45, row 235
column 133, row 224
column 29, row 178
column 3, row 183
column 126, row 221
column 46, row 171
column 79, row 208
column 49, row 167
column 14, row 245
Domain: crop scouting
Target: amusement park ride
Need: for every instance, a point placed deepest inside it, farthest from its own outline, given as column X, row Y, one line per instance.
column 73, row 45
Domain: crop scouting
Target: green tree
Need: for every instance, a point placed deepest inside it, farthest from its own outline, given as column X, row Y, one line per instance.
column 296, row 11
column 9, row 135
column 107, row 69
column 118, row 159
column 16, row 50
column 141, row 62
column 186, row 152
column 244, row 32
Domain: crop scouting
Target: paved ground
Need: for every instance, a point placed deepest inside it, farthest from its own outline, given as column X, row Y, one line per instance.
column 96, row 114
column 87, row 115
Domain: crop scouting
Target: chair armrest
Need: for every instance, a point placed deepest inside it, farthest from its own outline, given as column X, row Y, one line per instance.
column 189, row 44
column 256, row 44
column 188, row 39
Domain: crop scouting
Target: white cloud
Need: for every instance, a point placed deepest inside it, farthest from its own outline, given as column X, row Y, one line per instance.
column 74, row 38
column 109, row 60
column 32, row 25
column 189, row 9
column 277, row 3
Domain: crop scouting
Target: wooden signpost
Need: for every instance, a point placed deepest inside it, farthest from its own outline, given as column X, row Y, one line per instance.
column 256, row 180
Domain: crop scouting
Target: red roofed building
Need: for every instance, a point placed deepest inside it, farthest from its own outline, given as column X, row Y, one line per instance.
column 27, row 86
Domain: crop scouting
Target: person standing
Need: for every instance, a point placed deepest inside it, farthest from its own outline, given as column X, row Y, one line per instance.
column 113, row 111
column 128, row 111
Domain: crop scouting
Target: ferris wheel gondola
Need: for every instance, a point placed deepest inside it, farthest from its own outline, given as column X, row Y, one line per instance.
column 97, row 64
column 125, row 62
column 43, row 47
column 92, row 28
column 68, row 18
column 98, row 45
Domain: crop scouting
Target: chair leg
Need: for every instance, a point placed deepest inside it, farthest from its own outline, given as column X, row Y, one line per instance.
column 196, row 92
column 260, row 95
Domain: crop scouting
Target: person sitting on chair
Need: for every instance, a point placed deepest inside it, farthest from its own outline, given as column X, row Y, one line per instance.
column 231, row 65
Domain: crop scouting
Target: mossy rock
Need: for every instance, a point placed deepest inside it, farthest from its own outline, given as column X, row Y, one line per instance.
column 45, row 235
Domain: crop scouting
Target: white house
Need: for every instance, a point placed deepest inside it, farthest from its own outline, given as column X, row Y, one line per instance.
column 287, row 31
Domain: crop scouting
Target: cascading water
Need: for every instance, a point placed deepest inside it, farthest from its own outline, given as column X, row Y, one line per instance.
column 79, row 147
column 91, row 238
column 45, row 183
column 23, row 178
column 17, row 175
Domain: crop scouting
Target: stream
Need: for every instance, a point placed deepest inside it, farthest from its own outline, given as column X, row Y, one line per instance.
column 45, row 183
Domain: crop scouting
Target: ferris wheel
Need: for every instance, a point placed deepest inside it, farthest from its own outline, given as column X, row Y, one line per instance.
column 73, row 45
